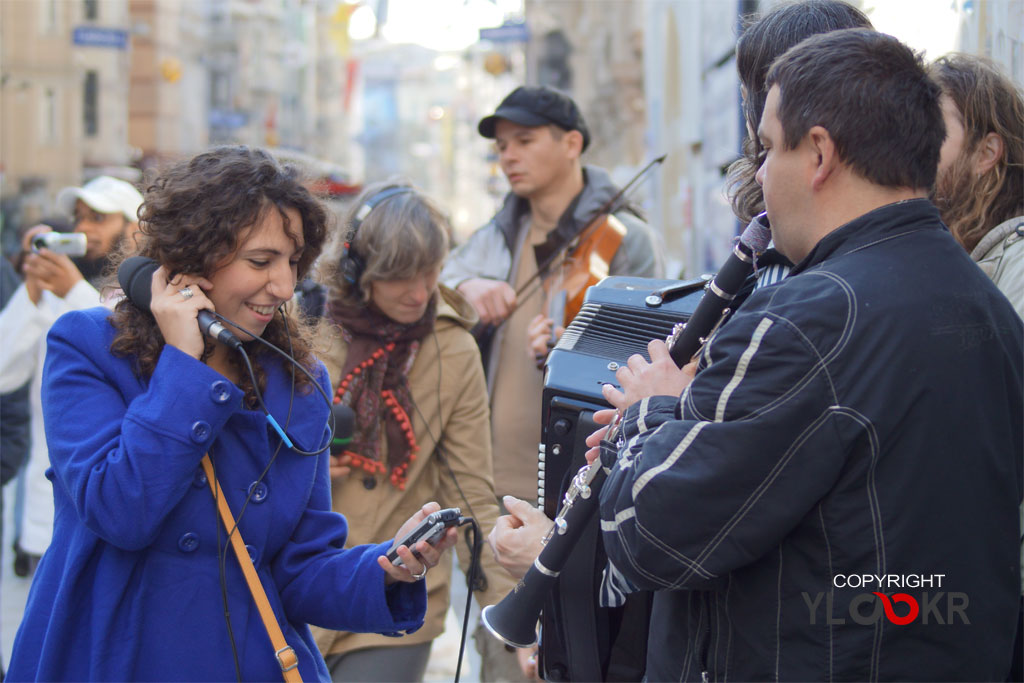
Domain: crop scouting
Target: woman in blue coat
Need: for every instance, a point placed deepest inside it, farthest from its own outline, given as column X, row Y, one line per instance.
column 139, row 582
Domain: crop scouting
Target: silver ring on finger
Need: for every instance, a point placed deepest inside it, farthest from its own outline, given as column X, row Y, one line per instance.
column 186, row 293
column 422, row 575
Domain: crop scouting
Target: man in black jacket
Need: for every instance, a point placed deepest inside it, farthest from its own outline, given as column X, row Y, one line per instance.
column 835, row 494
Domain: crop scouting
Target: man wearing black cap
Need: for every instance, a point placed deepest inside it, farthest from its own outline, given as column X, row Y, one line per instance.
column 540, row 135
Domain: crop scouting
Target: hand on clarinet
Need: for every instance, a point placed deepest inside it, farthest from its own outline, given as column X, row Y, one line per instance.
column 640, row 379
column 601, row 417
column 518, row 537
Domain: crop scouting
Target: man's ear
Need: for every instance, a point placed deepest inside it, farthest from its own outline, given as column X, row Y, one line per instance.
column 574, row 141
column 822, row 145
column 990, row 151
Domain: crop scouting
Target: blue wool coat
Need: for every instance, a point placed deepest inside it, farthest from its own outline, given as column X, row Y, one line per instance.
column 130, row 587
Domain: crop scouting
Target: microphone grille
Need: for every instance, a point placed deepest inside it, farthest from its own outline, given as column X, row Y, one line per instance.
column 135, row 275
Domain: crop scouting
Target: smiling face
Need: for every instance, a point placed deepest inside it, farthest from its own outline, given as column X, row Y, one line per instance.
column 261, row 274
column 533, row 158
column 405, row 301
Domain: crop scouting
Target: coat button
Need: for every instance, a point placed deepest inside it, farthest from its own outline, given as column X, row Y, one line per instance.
column 220, row 392
column 199, row 480
column 370, row 483
column 188, row 542
column 200, row 431
column 254, row 553
column 257, row 492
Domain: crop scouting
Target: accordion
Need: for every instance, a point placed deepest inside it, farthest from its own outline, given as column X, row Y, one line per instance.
column 620, row 315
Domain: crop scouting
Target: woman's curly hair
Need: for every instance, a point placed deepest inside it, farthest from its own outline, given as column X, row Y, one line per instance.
column 194, row 216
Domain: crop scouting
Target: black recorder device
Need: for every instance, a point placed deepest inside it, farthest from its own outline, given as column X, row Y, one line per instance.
column 620, row 315
column 430, row 530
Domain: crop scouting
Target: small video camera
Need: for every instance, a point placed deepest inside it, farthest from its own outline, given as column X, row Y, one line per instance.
column 430, row 530
column 70, row 243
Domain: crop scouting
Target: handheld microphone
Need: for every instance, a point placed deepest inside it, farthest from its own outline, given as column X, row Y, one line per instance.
column 344, row 420
column 135, row 276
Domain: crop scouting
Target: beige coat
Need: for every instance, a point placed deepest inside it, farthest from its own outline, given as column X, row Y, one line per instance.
column 448, row 388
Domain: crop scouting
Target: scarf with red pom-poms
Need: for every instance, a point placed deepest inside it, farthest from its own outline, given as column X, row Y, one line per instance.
column 375, row 384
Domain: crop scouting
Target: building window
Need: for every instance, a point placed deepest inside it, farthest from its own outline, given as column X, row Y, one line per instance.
column 49, row 117
column 90, row 104
column 92, row 10
column 49, row 16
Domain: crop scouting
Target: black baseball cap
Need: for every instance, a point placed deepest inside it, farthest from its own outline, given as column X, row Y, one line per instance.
column 537, row 106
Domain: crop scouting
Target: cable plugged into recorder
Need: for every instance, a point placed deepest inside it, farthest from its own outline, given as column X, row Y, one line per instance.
column 430, row 530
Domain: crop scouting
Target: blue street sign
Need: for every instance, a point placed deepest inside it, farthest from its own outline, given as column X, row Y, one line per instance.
column 227, row 118
column 97, row 36
column 506, row 33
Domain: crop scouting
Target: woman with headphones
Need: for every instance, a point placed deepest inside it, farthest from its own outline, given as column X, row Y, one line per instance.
column 193, row 536
column 399, row 352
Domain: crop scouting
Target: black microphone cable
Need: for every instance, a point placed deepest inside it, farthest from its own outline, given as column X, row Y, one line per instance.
column 474, row 565
column 294, row 364
column 475, row 578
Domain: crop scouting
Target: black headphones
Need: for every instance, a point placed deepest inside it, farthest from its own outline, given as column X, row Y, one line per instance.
column 352, row 265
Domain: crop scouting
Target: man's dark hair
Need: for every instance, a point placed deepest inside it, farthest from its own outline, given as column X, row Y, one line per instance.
column 873, row 96
column 987, row 102
column 763, row 39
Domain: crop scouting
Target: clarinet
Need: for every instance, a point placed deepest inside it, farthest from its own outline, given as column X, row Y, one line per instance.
column 514, row 619
column 688, row 338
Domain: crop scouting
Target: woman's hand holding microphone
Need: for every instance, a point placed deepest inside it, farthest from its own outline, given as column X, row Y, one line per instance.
column 175, row 305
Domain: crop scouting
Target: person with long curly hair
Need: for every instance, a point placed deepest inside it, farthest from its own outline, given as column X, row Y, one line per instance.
column 138, row 583
column 980, row 186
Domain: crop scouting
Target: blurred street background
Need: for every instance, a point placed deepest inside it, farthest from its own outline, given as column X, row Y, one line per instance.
column 363, row 91
column 357, row 92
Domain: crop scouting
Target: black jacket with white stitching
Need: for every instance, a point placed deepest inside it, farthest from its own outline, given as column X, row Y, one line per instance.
column 863, row 417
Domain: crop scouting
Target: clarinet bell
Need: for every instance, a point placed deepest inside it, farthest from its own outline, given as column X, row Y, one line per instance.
column 514, row 619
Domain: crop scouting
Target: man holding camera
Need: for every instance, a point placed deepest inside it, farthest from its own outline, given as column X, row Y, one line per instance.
column 61, row 274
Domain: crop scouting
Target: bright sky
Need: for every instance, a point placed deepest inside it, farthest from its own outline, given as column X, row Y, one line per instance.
column 444, row 25
column 928, row 25
column 453, row 25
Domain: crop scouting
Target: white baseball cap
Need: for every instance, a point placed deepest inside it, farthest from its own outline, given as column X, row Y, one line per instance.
column 105, row 195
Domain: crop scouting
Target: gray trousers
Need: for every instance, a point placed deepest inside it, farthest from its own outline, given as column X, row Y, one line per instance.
column 405, row 663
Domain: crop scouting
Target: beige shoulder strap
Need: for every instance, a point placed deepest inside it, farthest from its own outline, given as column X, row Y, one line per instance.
column 284, row 653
